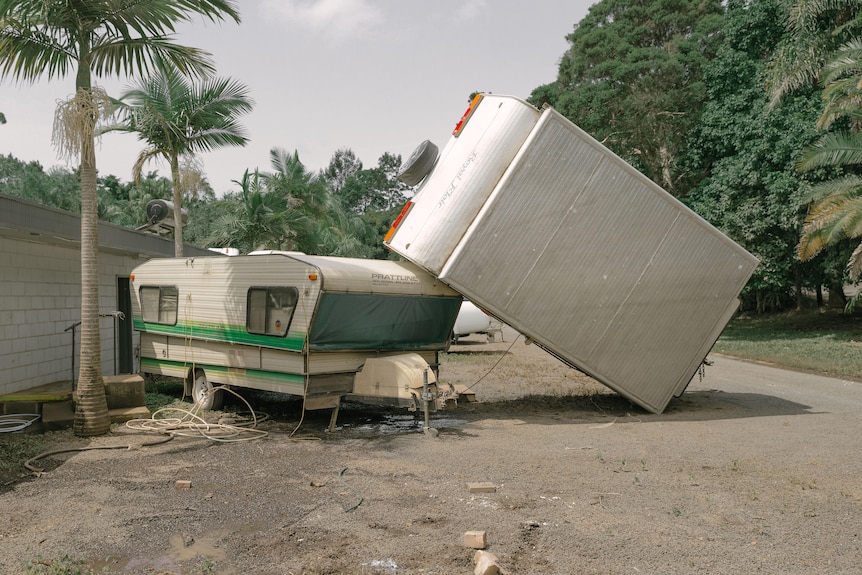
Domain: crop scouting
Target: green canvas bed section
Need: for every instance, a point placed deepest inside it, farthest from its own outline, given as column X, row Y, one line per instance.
column 354, row 321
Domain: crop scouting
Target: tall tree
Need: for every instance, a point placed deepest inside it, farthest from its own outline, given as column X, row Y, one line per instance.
column 342, row 166
column 95, row 38
column 632, row 78
column 747, row 154
column 179, row 117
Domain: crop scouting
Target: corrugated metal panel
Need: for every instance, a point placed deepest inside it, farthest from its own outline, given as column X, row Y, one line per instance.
column 596, row 263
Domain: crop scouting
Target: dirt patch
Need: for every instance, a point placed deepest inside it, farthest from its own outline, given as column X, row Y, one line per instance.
column 732, row 478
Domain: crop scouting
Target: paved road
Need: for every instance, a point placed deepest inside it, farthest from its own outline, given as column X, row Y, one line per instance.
column 811, row 393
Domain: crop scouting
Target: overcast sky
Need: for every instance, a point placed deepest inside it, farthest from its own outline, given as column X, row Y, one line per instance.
column 374, row 76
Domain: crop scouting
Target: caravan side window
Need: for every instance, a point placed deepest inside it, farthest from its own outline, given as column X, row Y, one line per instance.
column 270, row 309
column 159, row 304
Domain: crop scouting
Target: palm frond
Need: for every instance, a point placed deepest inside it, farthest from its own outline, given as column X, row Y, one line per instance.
column 793, row 67
column 839, row 189
column 830, row 220
column 151, row 16
column 146, row 155
column 27, row 54
column 126, row 56
column 833, row 149
column 843, row 62
column 119, row 37
column 805, row 15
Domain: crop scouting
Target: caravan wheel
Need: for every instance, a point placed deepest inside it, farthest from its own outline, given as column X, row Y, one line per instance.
column 203, row 393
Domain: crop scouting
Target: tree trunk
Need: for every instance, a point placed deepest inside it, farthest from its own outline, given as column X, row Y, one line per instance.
column 837, row 299
column 91, row 408
column 797, row 286
column 178, row 207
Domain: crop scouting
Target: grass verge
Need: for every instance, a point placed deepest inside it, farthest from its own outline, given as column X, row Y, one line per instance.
column 823, row 341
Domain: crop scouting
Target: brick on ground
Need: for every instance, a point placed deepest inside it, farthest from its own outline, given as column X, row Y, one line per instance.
column 476, row 539
column 481, row 487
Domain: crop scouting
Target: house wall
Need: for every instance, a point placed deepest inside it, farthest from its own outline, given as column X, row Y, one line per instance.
column 40, row 296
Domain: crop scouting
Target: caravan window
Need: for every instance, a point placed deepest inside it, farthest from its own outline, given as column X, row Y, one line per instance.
column 270, row 309
column 159, row 304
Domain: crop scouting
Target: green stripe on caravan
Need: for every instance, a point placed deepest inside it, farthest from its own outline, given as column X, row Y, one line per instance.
column 293, row 341
column 236, row 377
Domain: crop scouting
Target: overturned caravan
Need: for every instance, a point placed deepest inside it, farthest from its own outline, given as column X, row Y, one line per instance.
column 543, row 227
column 323, row 328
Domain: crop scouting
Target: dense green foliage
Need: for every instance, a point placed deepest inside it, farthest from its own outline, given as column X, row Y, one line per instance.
column 747, row 153
column 287, row 208
column 633, row 79
column 718, row 105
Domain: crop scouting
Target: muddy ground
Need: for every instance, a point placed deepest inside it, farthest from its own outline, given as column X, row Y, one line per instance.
column 752, row 470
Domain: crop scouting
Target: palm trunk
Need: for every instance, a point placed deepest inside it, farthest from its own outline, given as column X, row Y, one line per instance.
column 178, row 208
column 91, row 408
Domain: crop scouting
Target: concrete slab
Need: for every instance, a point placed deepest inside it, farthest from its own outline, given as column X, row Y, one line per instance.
column 57, row 415
column 124, row 391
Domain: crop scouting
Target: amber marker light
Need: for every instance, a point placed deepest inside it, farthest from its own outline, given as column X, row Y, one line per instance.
column 463, row 121
column 312, row 277
column 397, row 221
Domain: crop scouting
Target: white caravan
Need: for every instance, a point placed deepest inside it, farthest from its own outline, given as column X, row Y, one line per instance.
column 470, row 320
column 323, row 328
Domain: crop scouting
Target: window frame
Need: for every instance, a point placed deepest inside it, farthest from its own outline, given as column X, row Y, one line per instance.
column 269, row 294
column 164, row 297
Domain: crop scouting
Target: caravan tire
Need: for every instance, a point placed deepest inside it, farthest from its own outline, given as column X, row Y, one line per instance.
column 418, row 164
column 203, row 393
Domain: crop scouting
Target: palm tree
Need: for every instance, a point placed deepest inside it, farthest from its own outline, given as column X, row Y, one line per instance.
column 307, row 199
column 823, row 47
column 835, row 208
column 257, row 219
column 178, row 117
column 95, row 37
column 816, row 28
